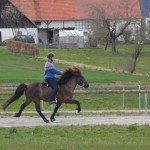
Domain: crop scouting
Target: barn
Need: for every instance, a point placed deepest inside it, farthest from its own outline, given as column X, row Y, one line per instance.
column 64, row 23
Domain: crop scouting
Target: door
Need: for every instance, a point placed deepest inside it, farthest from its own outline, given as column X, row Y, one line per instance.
column 0, row 37
column 50, row 40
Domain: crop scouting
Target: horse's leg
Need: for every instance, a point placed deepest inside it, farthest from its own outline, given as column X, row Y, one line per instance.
column 74, row 102
column 38, row 109
column 78, row 104
column 21, row 109
column 52, row 118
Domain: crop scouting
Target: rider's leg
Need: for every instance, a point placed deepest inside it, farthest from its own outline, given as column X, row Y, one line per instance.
column 53, row 84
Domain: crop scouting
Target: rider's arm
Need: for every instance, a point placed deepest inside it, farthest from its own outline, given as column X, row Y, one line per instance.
column 56, row 71
column 50, row 67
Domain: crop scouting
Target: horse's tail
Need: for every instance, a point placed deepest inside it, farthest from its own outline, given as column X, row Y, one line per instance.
column 18, row 93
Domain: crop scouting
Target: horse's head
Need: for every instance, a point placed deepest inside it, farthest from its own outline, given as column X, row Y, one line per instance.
column 80, row 80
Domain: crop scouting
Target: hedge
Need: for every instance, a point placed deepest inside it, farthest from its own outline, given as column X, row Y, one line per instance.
column 20, row 47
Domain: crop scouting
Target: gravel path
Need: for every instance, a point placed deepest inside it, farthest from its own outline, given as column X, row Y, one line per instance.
column 26, row 121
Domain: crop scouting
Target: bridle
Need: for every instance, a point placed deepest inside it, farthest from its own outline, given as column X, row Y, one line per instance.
column 82, row 82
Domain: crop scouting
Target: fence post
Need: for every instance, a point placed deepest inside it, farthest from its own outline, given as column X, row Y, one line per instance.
column 123, row 99
column 139, row 88
column 42, row 104
column 145, row 103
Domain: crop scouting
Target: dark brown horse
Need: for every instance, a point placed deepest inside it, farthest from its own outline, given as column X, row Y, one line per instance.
column 36, row 91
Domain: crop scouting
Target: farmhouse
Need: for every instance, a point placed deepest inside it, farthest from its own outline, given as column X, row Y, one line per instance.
column 65, row 23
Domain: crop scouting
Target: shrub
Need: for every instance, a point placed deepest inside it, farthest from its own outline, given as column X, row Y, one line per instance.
column 20, row 47
column 2, row 44
column 127, row 35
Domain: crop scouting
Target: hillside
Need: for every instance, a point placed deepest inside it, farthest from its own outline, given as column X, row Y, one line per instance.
column 107, row 68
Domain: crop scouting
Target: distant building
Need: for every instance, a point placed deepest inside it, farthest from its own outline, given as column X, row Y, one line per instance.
column 49, row 20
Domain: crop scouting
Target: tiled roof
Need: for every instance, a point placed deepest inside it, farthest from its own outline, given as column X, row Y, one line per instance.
column 114, row 9
column 46, row 9
column 75, row 9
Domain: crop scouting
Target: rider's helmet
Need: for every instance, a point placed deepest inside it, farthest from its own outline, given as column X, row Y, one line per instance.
column 50, row 55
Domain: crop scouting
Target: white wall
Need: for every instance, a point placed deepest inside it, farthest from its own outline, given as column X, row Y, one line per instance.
column 147, row 20
column 58, row 24
column 8, row 33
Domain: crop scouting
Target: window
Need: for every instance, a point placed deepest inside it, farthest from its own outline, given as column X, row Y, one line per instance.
column 19, row 33
column 83, row 24
column 38, row 22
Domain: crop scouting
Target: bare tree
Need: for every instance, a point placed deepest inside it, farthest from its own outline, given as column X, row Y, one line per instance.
column 139, row 41
column 113, row 23
column 14, row 19
column 99, row 32
column 11, row 17
column 137, row 51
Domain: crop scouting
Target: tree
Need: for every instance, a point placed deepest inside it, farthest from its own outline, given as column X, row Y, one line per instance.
column 11, row 17
column 139, row 42
column 14, row 19
column 137, row 51
column 114, row 20
column 99, row 34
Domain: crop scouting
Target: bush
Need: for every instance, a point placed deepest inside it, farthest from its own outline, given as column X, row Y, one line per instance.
column 127, row 35
column 2, row 44
column 20, row 47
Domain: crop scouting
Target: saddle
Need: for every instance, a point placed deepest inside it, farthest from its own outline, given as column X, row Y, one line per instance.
column 45, row 84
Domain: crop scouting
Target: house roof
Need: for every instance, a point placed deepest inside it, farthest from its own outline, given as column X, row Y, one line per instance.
column 114, row 9
column 46, row 9
column 76, row 9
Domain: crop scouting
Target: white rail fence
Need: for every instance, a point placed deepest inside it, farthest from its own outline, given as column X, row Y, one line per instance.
column 123, row 89
column 103, row 89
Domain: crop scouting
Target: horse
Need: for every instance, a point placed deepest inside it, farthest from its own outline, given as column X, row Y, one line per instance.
column 36, row 91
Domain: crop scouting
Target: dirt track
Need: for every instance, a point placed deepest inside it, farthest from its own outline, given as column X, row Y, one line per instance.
column 26, row 121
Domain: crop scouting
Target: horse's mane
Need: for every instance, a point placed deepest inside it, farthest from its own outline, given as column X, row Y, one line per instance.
column 68, row 73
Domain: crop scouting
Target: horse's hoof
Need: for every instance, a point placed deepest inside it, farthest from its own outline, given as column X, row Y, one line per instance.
column 16, row 115
column 76, row 112
column 46, row 121
column 53, row 120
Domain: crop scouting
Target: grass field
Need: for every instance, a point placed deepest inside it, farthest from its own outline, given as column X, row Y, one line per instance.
column 76, row 138
column 104, row 58
column 88, row 102
column 17, row 68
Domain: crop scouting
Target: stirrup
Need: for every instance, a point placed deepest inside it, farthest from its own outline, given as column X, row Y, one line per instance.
column 52, row 102
column 56, row 99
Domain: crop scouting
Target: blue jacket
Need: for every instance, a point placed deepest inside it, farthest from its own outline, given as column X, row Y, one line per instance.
column 50, row 71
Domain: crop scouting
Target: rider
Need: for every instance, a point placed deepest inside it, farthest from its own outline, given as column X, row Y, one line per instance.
column 49, row 73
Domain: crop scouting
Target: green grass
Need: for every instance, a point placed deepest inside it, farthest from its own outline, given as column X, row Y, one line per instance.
column 88, row 102
column 105, row 58
column 76, row 138
column 17, row 68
